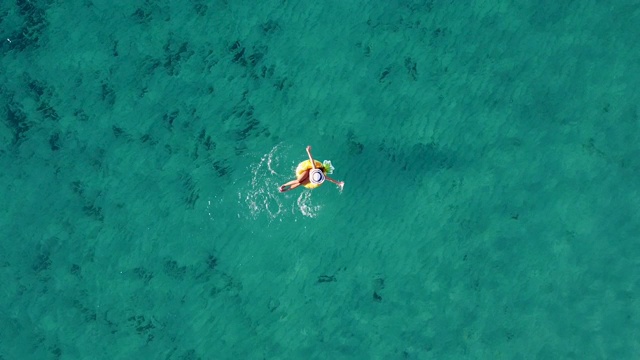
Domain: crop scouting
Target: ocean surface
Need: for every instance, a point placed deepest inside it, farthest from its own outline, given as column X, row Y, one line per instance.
column 490, row 153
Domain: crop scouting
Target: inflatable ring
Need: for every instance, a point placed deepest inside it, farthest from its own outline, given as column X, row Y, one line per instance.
column 304, row 166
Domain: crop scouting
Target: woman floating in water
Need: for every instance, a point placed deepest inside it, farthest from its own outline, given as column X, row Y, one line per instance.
column 311, row 174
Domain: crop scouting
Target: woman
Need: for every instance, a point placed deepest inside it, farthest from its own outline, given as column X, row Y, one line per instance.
column 311, row 174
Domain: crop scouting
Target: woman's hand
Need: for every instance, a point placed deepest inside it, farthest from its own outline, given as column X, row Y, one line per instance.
column 308, row 147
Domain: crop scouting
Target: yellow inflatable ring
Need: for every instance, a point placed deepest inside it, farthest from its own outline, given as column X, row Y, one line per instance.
column 304, row 166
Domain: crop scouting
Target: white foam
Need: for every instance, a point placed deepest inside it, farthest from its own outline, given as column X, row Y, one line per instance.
column 305, row 206
column 262, row 194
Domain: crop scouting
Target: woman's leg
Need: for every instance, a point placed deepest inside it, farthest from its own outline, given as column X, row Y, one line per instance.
column 303, row 177
column 295, row 183
column 292, row 187
column 292, row 184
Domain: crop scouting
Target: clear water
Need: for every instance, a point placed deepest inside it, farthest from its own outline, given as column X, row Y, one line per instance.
column 490, row 154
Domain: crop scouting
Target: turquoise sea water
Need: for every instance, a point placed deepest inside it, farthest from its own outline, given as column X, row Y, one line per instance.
column 489, row 150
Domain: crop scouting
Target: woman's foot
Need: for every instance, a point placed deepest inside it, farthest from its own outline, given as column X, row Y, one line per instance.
column 281, row 189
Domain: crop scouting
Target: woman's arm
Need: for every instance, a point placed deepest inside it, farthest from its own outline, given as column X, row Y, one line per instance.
column 339, row 183
column 313, row 163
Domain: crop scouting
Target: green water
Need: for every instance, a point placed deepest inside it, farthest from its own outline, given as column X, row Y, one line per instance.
column 490, row 155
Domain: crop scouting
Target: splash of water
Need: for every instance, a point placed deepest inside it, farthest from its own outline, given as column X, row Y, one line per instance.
column 261, row 197
column 305, row 206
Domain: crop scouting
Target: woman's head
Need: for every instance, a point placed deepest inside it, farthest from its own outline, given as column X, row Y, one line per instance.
column 316, row 176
